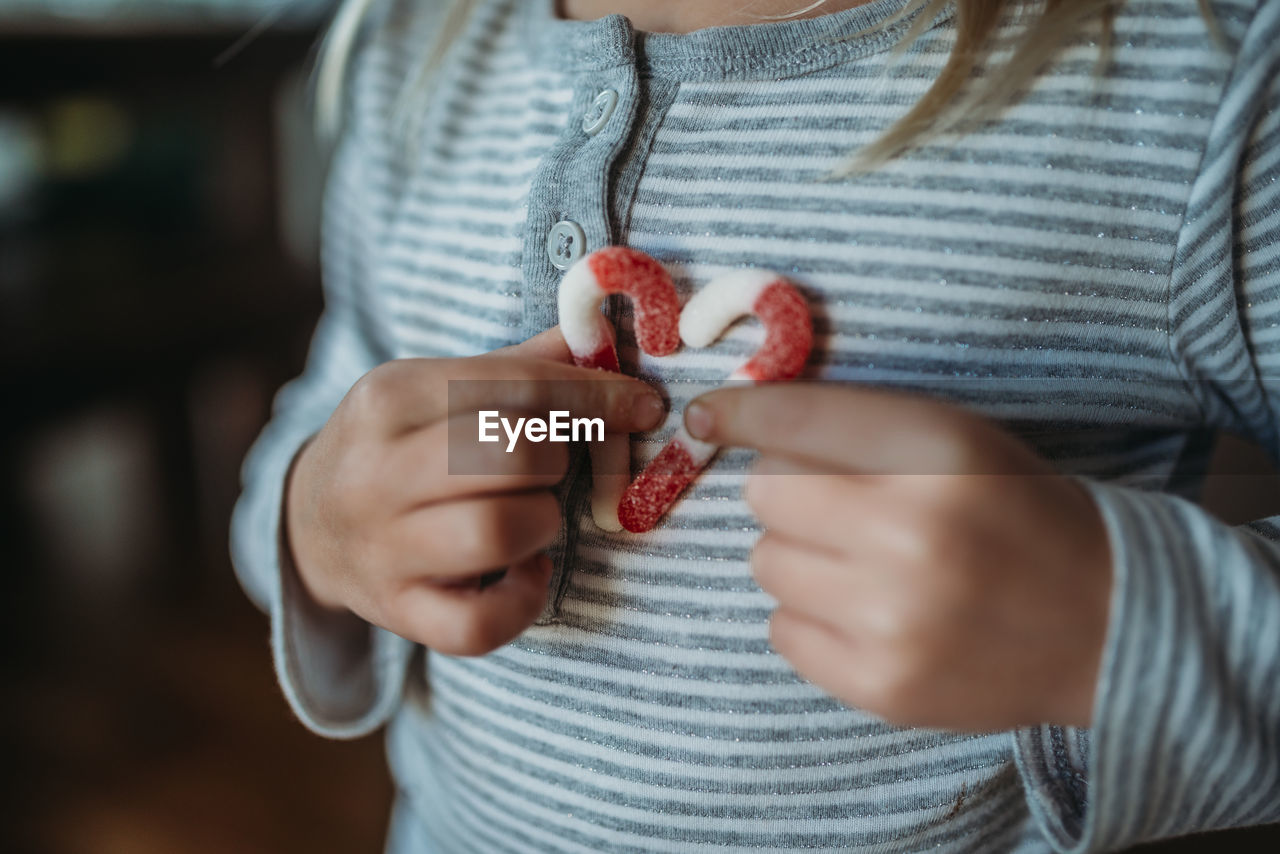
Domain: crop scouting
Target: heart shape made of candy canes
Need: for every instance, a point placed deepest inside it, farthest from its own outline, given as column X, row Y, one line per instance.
column 617, row 502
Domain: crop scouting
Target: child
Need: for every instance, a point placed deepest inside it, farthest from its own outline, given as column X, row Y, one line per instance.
column 1057, row 220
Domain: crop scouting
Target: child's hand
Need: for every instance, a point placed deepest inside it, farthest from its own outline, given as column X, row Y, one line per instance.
column 378, row 526
column 928, row 566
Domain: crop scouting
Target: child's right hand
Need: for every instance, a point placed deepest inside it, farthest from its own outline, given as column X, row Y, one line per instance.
column 379, row 527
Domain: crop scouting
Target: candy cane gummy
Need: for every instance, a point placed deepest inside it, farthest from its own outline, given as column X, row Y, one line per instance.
column 592, row 341
column 712, row 310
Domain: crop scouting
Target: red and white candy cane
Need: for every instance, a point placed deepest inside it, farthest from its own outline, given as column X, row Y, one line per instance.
column 592, row 341
column 712, row 310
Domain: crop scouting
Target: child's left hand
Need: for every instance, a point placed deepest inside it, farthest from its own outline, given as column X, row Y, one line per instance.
column 928, row 566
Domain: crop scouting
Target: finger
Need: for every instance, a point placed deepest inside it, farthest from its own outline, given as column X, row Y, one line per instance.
column 411, row 393
column 444, row 462
column 808, row 503
column 880, row 678
column 914, row 523
column 817, row 652
column 878, row 431
column 473, row 620
column 468, row 537
column 548, row 344
column 847, row 594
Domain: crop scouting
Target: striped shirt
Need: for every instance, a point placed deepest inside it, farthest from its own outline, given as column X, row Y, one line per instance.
column 1098, row 270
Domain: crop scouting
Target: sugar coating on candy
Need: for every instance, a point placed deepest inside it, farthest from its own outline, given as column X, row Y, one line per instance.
column 592, row 341
column 660, row 327
column 585, row 329
column 620, row 270
column 782, row 310
column 617, row 270
column 716, row 305
column 788, row 334
column 788, row 341
column 657, row 488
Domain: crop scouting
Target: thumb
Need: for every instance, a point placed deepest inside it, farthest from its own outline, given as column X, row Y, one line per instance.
column 545, row 345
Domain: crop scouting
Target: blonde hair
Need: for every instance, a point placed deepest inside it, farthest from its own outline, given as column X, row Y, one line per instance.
column 946, row 106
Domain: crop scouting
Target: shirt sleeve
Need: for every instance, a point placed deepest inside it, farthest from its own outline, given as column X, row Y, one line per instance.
column 1186, row 721
column 342, row 677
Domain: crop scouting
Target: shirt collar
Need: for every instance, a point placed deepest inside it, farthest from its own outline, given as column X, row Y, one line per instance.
column 768, row 51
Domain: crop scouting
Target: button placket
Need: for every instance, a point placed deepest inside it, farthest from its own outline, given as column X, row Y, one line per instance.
column 570, row 215
column 569, row 199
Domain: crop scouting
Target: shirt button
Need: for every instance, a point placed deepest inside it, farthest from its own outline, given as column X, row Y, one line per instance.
column 566, row 244
column 600, row 112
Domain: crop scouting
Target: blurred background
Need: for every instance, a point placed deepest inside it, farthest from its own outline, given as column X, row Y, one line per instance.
column 159, row 188
column 158, row 207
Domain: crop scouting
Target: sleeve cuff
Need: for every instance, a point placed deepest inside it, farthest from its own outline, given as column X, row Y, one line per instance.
column 342, row 677
column 1180, row 719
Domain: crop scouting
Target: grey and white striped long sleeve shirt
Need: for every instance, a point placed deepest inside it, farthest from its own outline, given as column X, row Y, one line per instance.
column 1099, row 270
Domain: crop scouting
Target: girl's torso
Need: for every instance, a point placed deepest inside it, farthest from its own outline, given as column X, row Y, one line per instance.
column 1023, row 270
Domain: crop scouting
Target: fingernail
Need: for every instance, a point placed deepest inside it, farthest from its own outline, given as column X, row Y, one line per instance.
column 698, row 420
column 650, row 411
